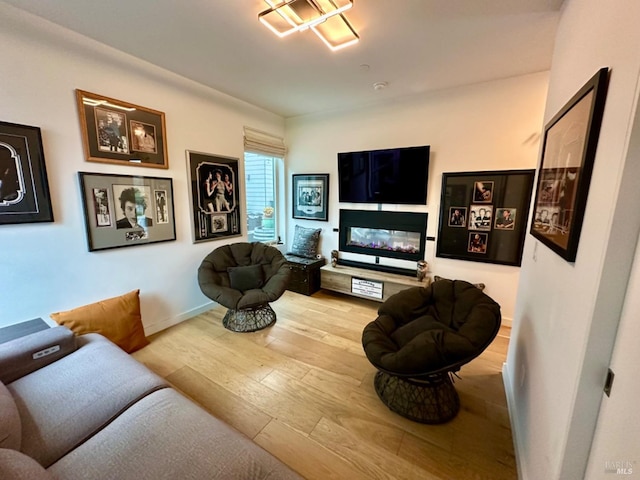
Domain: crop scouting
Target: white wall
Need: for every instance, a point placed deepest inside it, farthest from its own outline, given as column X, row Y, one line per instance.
column 567, row 314
column 46, row 267
column 489, row 126
column 617, row 436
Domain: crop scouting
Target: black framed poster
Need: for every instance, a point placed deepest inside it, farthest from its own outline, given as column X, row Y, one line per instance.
column 24, row 188
column 311, row 196
column 568, row 153
column 215, row 187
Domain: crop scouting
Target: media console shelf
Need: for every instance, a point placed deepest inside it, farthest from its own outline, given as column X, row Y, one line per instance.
column 364, row 283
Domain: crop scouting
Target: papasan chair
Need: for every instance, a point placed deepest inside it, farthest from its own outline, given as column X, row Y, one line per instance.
column 420, row 338
column 245, row 277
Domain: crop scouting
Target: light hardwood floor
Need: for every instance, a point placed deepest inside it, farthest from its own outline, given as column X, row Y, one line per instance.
column 303, row 390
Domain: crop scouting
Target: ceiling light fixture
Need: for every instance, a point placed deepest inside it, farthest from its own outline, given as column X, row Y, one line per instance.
column 323, row 17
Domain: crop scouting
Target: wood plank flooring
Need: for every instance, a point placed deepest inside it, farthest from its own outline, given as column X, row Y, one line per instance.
column 303, row 390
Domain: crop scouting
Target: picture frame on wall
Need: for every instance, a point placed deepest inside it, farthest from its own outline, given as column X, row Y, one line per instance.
column 126, row 211
column 215, row 192
column 566, row 165
column 491, row 199
column 121, row 133
column 311, row 196
column 24, row 186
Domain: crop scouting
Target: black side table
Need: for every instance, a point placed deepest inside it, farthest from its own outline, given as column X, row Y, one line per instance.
column 22, row 329
column 305, row 274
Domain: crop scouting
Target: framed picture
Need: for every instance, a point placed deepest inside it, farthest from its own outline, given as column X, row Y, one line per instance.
column 24, row 188
column 478, row 242
column 493, row 233
column 458, row 217
column 121, row 133
column 311, row 196
column 215, row 190
column 506, row 218
column 124, row 210
column 480, row 217
column 483, row 192
column 568, row 152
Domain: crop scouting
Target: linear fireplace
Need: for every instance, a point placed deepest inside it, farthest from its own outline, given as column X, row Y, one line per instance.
column 398, row 235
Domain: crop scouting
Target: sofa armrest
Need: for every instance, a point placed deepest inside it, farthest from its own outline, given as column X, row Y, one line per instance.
column 27, row 354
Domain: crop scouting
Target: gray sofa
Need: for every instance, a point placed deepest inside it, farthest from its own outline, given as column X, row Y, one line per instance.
column 81, row 408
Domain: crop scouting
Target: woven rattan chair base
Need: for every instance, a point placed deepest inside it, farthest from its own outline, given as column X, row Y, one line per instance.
column 249, row 319
column 432, row 400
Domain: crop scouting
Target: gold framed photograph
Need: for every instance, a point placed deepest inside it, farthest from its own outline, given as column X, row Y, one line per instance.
column 121, row 133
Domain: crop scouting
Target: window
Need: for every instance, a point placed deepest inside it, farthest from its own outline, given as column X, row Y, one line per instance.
column 260, row 181
column 263, row 157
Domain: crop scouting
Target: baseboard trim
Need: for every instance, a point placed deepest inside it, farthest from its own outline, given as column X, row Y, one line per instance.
column 506, row 380
column 170, row 322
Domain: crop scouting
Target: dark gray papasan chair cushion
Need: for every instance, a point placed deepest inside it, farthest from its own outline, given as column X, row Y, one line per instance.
column 264, row 278
column 423, row 331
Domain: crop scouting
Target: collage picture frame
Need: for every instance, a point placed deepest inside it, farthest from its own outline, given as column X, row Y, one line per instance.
column 483, row 215
column 121, row 133
column 126, row 211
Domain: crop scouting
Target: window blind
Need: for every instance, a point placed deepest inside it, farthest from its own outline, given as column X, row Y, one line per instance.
column 262, row 142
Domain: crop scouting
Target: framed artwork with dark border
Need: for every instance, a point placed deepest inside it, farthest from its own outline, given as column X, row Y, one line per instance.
column 568, row 153
column 121, row 133
column 24, row 187
column 125, row 210
column 215, row 193
column 311, row 196
column 483, row 215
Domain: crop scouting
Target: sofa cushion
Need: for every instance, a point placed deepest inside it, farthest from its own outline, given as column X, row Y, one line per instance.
column 246, row 278
column 17, row 466
column 165, row 435
column 116, row 318
column 305, row 242
column 10, row 426
column 65, row 403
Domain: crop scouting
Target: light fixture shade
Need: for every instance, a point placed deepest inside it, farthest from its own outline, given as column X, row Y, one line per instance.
column 336, row 33
column 323, row 16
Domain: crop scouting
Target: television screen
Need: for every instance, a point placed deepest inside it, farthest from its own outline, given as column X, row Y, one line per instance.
column 395, row 175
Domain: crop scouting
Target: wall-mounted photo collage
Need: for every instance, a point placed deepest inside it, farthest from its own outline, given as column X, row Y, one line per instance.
column 483, row 215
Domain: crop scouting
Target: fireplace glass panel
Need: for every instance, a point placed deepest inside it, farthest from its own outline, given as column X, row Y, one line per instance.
column 387, row 240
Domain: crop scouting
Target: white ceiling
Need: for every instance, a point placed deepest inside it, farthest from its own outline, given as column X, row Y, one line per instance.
column 414, row 45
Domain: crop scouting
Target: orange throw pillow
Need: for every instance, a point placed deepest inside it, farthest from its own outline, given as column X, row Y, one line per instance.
column 116, row 318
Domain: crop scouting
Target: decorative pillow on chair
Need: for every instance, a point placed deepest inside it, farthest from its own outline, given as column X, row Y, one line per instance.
column 10, row 424
column 305, row 242
column 480, row 286
column 116, row 318
column 246, row 278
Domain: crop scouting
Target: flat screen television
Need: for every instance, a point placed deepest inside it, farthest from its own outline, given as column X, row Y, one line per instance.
column 394, row 175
